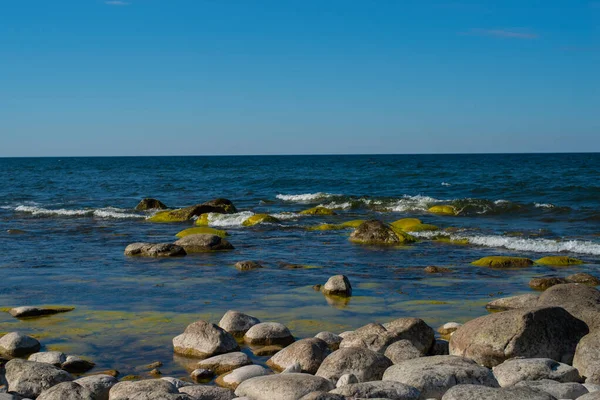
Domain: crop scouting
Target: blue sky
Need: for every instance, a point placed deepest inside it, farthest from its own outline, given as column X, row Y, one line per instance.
column 179, row 77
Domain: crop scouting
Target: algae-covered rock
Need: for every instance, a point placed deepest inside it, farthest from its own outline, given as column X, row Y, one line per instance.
column 260, row 219
column 406, row 223
column 375, row 232
column 355, row 223
column 558, row 261
column 202, row 242
column 219, row 206
column 201, row 230
column 584, row 278
column 544, row 283
column 503, row 262
column 30, row 311
column 327, row 227
column 422, row 228
column 443, row 210
column 150, row 204
column 318, row 211
column 202, row 220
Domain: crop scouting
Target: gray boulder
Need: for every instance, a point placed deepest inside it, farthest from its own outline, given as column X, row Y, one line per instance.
column 31, row 311
column 322, row 396
column 476, row 392
column 149, row 389
column 282, row 386
column 548, row 332
column 202, row 242
column 201, row 392
column 379, row 389
column 337, row 285
column 333, row 341
column 77, row 365
column 16, row 344
column 309, row 353
column 55, row 358
column 582, row 301
column 225, row 362
column 234, row 378
column 402, row 350
column 516, row 370
column 67, row 391
column 268, row 333
column 566, row 390
column 203, row 339
column 237, row 323
column 434, row 375
column 587, row 357
column 99, row 385
column 590, row 396
column 365, row 364
column 154, row 250
column 513, row 302
column 30, row 379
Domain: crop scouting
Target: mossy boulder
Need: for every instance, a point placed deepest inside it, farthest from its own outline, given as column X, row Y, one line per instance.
column 318, row 211
column 405, row 223
column 355, row 223
column 150, row 204
column 202, row 220
column 260, row 219
column 375, row 232
column 558, row 261
column 422, row 228
column 219, row 206
column 204, row 230
column 503, row 262
column 443, row 210
column 331, row 227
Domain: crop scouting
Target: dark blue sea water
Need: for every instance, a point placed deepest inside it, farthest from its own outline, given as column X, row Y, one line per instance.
column 64, row 223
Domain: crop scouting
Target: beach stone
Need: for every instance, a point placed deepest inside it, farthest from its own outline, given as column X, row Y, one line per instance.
column 203, row 339
column 559, row 261
column 378, row 337
column 344, row 334
column 31, row 311
column 513, row 302
column 154, row 250
column 402, row 350
column 503, row 262
column 323, row 396
column 432, row 269
column 67, row 391
column 150, row 204
column 546, row 282
column 55, row 358
column 434, row 375
column 375, row 232
column 590, row 396
column 440, row 348
column 582, row 301
column 378, row 389
column 477, row 392
column 319, row 210
column 584, row 278
column 99, row 385
column 448, row 328
column 346, row 379
column 77, row 365
column 201, row 375
column 178, row 383
column 149, row 389
column 8, row 396
column 202, row 392
column 264, row 351
column 247, row 265
column 365, row 364
column 268, row 333
column 333, row 341
column 309, row 353
column 566, row 390
column 202, row 242
column 282, row 386
column 587, row 357
column 292, row 368
column 516, row 370
column 237, row 323
column 233, row 379
column 16, row 344
column 547, row 332
column 30, row 379
column 225, row 362
column 337, row 285
column 443, row 209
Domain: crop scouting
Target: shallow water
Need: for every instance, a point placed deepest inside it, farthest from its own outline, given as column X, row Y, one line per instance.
column 71, row 219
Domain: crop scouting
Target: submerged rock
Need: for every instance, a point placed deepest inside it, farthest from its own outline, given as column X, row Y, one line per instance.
column 513, row 302
column 434, row 375
column 203, row 339
column 432, row 269
column 268, row 333
column 405, row 223
column 16, row 344
column 546, row 332
column 318, row 211
column 154, row 250
column 30, row 379
column 443, row 210
column 282, row 386
column 375, row 232
column 31, row 311
column 503, row 262
column 233, row 379
column 308, row 353
column 260, row 219
column 237, row 323
column 150, row 204
column 198, row 243
column 545, row 283
column 247, row 265
column 220, row 206
column 584, row 278
column 558, row 261
column 422, row 228
column 337, row 285
column 363, row 363
column 515, row 370
column 201, row 230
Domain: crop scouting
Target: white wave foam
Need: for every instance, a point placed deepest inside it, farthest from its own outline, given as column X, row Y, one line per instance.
column 236, row 219
column 499, row 202
column 303, row 198
column 414, row 203
column 109, row 212
column 544, row 205
column 521, row 244
column 337, row 206
column 286, row 216
column 446, row 184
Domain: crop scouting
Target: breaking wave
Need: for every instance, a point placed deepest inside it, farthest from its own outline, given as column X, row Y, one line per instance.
column 107, row 213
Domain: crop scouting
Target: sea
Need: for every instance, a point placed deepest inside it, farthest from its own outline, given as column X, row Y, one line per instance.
column 64, row 223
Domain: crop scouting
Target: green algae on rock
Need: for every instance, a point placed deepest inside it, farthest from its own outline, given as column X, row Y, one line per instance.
column 422, row 228
column 331, row 227
column 220, row 206
column 558, row 261
column 375, row 232
column 207, row 230
column 260, row 219
column 318, row 211
column 405, row 223
column 202, row 220
column 443, row 210
column 150, row 204
column 503, row 262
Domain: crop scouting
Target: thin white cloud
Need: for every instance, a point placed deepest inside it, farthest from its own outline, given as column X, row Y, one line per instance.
column 513, row 33
column 117, row 3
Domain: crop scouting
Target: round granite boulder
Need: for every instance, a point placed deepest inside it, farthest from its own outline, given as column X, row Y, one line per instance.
column 203, row 339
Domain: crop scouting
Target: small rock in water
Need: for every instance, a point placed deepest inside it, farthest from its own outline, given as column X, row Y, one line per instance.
column 55, row 358
column 153, row 365
column 317, row 287
column 202, row 375
column 584, row 278
column 75, row 364
column 203, row 339
column 16, row 344
column 432, row 269
column 338, row 285
column 545, row 283
column 155, row 372
column 150, row 204
column 247, row 265
column 269, row 333
column 237, row 323
column 30, row 311
column 203, row 242
column 154, row 250
column 225, row 362
column 15, row 231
